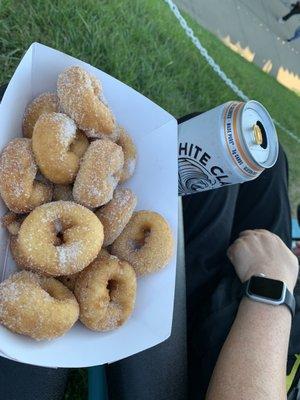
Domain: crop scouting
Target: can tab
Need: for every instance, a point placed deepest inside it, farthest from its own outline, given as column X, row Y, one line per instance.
column 257, row 134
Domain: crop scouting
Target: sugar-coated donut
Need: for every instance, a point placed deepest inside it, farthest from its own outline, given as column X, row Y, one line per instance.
column 54, row 139
column 146, row 242
column 60, row 238
column 15, row 252
column 44, row 103
column 63, row 192
column 70, row 280
column 106, row 292
column 129, row 150
column 115, row 215
column 80, row 145
column 79, row 98
column 19, row 189
column 97, row 177
column 35, row 306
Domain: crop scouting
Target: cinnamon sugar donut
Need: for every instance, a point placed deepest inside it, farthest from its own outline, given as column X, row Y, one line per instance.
column 106, row 292
column 79, row 98
column 97, row 177
column 115, row 215
column 19, row 188
column 146, row 242
column 70, row 280
column 129, row 150
column 63, row 192
column 80, row 145
column 35, row 306
column 18, row 258
column 44, row 103
column 60, row 238
column 58, row 147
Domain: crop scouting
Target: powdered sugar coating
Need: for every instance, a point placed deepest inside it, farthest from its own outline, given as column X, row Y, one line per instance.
column 79, row 98
column 146, row 242
column 97, row 177
column 52, row 138
column 81, row 232
column 115, row 215
column 130, row 154
column 35, row 306
column 18, row 169
column 106, row 292
column 44, row 103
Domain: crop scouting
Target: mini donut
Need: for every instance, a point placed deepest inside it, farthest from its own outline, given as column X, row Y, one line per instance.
column 146, row 242
column 106, row 292
column 53, row 141
column 60, row 238
column 80, row 144
column 129, row 150
column 37, row 306
column 97, row 177
column 15, row 252
column 63, row 192
column 115, row 215
column 44, row 103
column 70, row 280
column 19, row 188
column 78, row 94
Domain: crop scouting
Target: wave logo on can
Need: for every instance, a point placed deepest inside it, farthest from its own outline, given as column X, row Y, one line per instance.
column 194, row 176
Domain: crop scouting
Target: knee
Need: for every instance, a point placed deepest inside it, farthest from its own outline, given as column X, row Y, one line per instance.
column 282, row 162
column 279, row 170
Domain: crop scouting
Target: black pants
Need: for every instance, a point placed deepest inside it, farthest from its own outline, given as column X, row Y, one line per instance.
column 212, row 221
column 295, row 10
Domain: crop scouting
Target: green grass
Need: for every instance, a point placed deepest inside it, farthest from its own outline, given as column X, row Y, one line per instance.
column 141, row 43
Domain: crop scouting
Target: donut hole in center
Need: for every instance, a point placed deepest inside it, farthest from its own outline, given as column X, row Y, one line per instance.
column 112, row 287
column 59, row 228
column 141, row 238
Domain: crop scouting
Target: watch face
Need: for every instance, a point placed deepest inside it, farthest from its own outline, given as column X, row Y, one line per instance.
column 265, row 287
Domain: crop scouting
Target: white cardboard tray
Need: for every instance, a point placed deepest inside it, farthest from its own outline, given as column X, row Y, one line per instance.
column 155, row 183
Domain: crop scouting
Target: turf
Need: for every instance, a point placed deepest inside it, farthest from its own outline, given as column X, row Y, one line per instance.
column 141, row 43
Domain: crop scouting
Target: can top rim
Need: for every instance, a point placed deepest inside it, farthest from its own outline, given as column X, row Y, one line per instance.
column 263, row 116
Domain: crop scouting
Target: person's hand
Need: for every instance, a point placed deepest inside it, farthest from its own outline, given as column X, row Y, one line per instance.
column 262, row 252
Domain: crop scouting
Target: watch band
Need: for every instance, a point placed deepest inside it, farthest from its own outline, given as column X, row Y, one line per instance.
column 289, row 300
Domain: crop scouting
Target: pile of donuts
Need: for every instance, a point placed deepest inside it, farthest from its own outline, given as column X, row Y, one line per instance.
column 74, row 234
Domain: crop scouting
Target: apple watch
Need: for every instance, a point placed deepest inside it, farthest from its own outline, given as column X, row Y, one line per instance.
column 270, row 291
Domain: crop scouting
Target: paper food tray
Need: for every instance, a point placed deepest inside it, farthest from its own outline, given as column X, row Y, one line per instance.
column 155, row 183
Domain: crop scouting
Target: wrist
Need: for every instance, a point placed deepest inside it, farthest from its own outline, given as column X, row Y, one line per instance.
column 269, row 291
column 266, row 312
column 271, row 274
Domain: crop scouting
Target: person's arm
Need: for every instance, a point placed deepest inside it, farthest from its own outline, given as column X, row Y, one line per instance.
column 252, row 363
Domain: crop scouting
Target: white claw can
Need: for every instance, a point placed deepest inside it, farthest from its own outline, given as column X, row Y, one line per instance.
column 232, row 143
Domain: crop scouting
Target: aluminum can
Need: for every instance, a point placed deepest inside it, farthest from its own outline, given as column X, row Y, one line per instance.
column 230, row 144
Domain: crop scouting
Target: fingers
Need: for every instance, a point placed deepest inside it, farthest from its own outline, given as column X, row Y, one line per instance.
column 233, row 249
